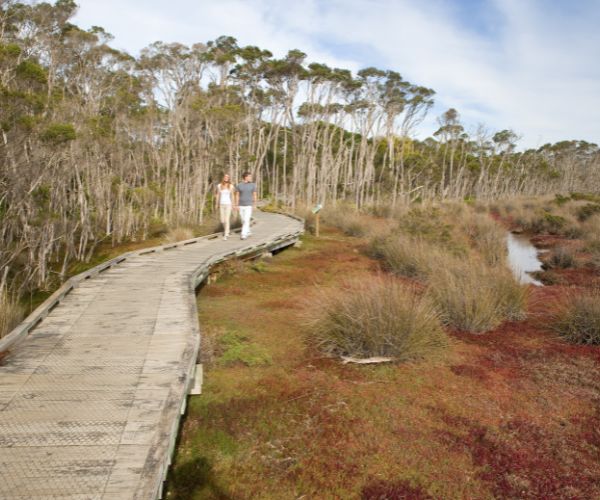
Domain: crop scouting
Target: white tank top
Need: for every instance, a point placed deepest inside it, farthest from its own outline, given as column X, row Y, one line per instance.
column 225, row 198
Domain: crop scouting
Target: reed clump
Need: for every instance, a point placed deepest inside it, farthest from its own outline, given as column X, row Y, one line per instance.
column 474, row 297
column 562, row 257
column 486, row 236
column 461, row 256
column 376, row 317
column 591, row 232
column 563, row 215
column 348, row 220
column 405, row 256
column 578, row 318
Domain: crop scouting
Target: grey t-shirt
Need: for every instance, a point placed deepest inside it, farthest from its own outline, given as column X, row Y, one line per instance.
column 246, row 189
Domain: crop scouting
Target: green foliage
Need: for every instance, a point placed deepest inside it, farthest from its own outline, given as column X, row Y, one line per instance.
column 27, row 122
column 553, row 223
column 586, row 197
column 101, row 126
column 236, row 349
column 561, row 200
column 169, row 130
column 157, row 227
column 9, row 51
column 216, row 439
column 259, row 267
column 554, row 174
column 426, row 224
column 31, row 72
column 59, row 133
column 228, row 113
column 41, row 195
column 541, row 221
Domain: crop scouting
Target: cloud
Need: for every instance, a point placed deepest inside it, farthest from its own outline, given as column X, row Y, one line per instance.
column 529, row 65
column 252, row 22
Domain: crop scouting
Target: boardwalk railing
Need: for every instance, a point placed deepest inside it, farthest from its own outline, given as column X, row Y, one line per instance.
column 161, row 449
column 33, row 320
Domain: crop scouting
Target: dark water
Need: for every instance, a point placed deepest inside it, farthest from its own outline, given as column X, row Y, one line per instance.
column 523, row 258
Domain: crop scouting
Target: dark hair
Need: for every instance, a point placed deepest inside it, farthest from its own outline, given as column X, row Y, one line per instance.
column 246, row 174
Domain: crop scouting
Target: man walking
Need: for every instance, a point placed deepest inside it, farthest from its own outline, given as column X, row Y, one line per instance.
column 245, row 199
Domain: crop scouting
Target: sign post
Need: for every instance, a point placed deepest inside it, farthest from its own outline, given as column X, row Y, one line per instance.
column 316, row 211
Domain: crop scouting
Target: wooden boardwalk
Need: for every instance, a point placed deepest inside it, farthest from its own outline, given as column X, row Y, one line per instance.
column 91, row 397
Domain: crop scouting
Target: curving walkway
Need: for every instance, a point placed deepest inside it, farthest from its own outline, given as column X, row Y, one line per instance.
column 90, row 400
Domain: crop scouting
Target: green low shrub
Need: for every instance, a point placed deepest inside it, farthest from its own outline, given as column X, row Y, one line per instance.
column 427, row 224
column 538, row 222
column 236, row 348
column 586, row 197
column 560, row 200
column 553, row 224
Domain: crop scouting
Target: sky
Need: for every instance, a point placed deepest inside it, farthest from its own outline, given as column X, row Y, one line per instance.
column 528, row 65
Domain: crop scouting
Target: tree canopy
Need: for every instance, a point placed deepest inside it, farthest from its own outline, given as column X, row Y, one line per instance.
column 99, row 145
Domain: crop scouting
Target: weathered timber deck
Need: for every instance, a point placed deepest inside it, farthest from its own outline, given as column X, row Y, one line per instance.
column 91, row 395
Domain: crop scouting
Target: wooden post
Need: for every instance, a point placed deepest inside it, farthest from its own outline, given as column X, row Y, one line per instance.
column 317, row 211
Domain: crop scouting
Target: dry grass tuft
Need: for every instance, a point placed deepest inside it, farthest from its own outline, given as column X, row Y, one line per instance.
column 486, row 236
column 11, row 313
column 461, row 255
column 562, row 258
column 474, row 297
column 179, row 234
column 348, row 220
column 378, row 317
column 473, row 288
column 578, row 319
column 405, row 256
column 559, row 216
column 591, row 231
column 387, row 211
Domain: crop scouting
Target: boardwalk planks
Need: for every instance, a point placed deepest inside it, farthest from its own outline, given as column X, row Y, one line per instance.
column 90, row 399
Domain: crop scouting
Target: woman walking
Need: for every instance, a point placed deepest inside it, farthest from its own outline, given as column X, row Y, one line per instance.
column 224, row 201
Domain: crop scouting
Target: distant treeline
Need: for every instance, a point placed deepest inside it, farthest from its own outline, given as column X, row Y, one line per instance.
column 98, row 145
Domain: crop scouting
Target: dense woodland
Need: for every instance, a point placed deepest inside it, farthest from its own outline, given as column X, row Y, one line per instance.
column 98, row 145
